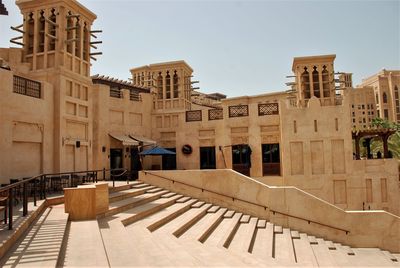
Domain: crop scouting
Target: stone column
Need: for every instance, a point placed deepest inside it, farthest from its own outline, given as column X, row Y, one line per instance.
column 385, row 145
column 357, row 143
column 311, row 81
column 321, row 85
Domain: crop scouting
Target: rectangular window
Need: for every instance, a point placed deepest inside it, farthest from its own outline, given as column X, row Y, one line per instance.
column 386, row 114
column 368, row 183
column 207, row 158
column 241, row 159
column 294, row 126
column 315, row 126
column 336, row 124
column 340, row 193
column 384, row 190
column 238, row 110
column 268, row 109
column 271, row 159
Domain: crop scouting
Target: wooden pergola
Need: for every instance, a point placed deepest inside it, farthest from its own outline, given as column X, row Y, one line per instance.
column 368, row 135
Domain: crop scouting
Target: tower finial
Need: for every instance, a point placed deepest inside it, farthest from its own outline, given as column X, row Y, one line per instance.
column 3, row 9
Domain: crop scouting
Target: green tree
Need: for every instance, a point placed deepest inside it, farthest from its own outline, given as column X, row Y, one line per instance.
column 394, row 140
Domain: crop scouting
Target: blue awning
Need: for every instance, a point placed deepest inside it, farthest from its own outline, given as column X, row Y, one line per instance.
column 157, row 151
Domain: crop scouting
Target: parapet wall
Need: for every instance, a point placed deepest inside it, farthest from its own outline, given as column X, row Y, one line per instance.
column 286, row 206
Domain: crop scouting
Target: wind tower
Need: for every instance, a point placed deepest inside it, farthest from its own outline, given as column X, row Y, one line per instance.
column 57, row 39
column 315, row 77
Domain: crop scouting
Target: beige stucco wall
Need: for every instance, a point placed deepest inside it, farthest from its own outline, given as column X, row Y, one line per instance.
column 253, row 130
column 118, row 115
column 26, row 131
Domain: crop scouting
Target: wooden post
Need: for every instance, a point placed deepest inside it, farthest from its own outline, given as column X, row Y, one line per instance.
column 357, row 141
column 385, row 146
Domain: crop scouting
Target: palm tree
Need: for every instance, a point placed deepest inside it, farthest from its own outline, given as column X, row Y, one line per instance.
column 393, row 141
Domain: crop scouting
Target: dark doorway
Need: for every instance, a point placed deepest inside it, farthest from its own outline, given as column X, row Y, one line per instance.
column 136, row 165
column 169, row 161
column 207, row 158
column 241, row 161
column 115, row 158
column 271, row 159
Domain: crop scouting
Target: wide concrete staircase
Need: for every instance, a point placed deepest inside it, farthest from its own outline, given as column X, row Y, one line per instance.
column 150, row 226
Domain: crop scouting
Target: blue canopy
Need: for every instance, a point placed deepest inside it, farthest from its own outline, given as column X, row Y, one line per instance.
column 157, row 151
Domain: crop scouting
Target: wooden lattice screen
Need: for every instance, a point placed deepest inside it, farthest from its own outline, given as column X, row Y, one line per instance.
column 192, row 116
column 238, row 110
column 268, row 108
column 215, row 114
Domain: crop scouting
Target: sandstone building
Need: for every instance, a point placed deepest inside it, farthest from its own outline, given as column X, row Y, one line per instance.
column 56, row 117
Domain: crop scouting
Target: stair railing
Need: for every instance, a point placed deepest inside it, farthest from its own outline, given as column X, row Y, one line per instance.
column 249, row 202
column 40, row 186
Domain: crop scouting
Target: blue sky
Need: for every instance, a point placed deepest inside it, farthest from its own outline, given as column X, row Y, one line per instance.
column 240, row 47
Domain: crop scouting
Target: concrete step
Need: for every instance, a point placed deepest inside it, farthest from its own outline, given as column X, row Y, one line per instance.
column 120, row 206
column 284, row 250
column 193, row 216
column 84, row 245
column 124, row 186
column 127, row 250
column 264, row 242
column 220, row 235
column 42, row 245
column 169, row 214
column 202, row 229
column 322, row 253
column 190, row 253
column 184, row 221
column 341, row 256
column 124, row 194
column 390, row 256
column 330, row 245
column 132, row 215
column 370, row 257
column 243, row 239
column 304, row 252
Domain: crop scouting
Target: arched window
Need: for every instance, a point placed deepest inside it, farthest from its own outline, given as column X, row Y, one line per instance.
column 52, row 30
column 384, row 97
column 41, row 32
column 149, row 79
column 78, row 37
column 315, row 76
column 168, row 86
column 160, row 86
column 305, row 83
column 31, row 33
column 176, row 85
column 325, row 82
column 397, row 101
column 86, row 46
column 69, row 32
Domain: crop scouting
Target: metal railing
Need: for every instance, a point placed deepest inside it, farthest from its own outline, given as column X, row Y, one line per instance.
column 40, row 186
column 249, row 202
column 26, row 87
